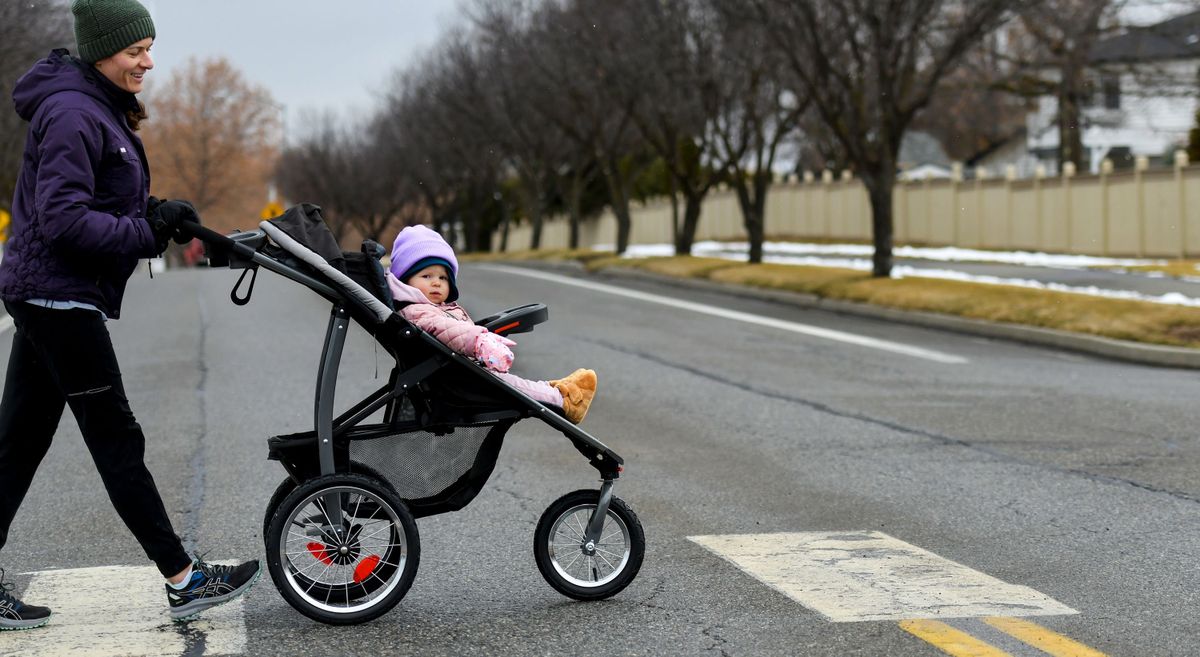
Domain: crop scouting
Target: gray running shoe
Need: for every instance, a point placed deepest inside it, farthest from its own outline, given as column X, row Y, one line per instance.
column 211, row 585
column 16, row 615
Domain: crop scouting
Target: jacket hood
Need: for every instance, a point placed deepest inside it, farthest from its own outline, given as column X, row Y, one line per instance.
column 59, row 72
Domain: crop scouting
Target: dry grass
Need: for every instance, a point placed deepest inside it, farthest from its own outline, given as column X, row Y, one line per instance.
column 1131, row 320
column 1176, row 268
column 1114, row 318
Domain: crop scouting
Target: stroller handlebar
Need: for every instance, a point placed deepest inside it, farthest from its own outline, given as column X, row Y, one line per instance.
column 235, row 250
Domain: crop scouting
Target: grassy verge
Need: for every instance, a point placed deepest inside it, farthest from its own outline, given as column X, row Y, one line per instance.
column 1114, row 318
column 1176, row 268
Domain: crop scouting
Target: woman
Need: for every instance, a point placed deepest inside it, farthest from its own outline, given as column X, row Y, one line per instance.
column 81, row 218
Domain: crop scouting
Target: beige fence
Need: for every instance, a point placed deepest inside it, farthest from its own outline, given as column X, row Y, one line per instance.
column 1153, row 213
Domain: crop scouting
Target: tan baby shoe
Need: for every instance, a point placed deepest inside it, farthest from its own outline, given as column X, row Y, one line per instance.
column 577, row 390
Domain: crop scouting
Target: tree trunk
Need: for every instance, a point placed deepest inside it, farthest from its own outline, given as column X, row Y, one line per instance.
column 693, row 202
column 574, row 201
column 505, row 217
column 618, row 199
column 1070, row 132
column 879, row 189
column 532, row 197
column 674, row 206
column 752, row 197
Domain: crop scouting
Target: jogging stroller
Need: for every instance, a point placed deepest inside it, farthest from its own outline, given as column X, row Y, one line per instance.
column 341, row 538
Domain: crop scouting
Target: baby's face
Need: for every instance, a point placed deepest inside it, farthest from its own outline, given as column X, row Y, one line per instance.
column 433, row 281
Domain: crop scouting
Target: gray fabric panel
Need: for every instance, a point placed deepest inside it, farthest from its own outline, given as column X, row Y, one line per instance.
column 306, row 254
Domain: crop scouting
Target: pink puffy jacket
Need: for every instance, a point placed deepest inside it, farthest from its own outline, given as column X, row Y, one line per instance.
column 452, row 326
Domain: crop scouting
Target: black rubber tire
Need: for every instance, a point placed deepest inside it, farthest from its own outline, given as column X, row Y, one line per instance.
column 570, row 503
column 387, row 500
column 284, row 489
column 289, row 484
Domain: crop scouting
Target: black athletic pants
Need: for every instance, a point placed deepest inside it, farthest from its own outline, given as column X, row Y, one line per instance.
column 65, row 357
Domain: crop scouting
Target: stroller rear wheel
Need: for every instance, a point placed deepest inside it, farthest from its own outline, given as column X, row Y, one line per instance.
column 342, row 548
column 289, row 484
column 575, row 568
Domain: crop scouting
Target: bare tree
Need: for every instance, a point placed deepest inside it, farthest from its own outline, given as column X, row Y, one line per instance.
column 353, row 172
column 315, row 169
column 756, row 114
column 675, row 99
column 1056, row 49
column 868, row 68
column 1050, row 53
column 213, row 140
column 970, row 114
column 435, row 114
column 584, row 60
column 535, row 151
column 29, row 30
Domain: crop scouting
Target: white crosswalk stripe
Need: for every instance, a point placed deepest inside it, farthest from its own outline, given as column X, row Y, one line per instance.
column 119, row 610
column 862, row 576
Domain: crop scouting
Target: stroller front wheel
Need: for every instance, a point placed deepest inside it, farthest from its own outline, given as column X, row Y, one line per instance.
column 342, row 549
column 581, row 570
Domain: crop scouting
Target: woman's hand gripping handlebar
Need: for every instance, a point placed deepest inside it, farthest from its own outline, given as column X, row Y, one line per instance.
column 235, row 251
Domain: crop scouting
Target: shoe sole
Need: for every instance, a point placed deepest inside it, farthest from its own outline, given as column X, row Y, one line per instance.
column 194, row 609
column 22, row 625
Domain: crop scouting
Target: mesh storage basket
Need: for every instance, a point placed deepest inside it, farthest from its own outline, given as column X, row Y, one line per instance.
column 434, row 470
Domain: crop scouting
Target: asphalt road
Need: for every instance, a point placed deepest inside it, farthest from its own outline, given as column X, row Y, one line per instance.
column 1070, row 475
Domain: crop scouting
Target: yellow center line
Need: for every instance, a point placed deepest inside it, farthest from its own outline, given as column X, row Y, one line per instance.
column 1041, row 638
column 949, row 640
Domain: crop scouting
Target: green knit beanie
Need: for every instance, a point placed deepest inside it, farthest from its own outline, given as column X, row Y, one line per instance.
column 104, row 27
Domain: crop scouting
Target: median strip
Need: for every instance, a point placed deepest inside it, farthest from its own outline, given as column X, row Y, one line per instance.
column 1041, row 638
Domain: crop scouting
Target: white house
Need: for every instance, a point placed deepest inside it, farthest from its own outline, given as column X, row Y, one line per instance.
column 1143, row 98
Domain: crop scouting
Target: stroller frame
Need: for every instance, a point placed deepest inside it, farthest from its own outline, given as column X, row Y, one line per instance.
column 351, row 302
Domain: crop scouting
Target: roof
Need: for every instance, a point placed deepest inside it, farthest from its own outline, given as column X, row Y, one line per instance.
column 919, row 147
column 1177, row 38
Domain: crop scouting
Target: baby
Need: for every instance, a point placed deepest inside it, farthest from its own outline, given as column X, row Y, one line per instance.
column 422, row 280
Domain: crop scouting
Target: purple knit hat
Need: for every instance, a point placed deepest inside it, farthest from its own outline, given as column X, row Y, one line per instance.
column 418, row 247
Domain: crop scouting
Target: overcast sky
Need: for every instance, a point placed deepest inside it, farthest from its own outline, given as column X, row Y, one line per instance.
column 337, row 54
column 314, row 54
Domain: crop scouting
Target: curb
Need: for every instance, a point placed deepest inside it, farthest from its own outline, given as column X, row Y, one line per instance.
column 1135, row 352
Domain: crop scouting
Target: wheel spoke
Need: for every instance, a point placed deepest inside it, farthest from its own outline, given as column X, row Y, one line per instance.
column 573, row 560
column 608, row 563
column 573, row 537
column 318, row 578
column 386, row 527
column 578, row 517
column 616, row 532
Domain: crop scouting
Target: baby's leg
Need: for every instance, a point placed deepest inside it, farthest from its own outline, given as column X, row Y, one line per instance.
column 539, row 390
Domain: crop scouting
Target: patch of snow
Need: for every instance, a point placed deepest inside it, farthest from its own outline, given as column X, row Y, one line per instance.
column 793, row 253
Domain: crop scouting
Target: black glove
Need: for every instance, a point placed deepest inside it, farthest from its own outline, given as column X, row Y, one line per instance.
column 165, row 217
column 194, row 217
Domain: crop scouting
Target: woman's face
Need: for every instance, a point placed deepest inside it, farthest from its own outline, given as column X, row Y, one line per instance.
column 127, row 67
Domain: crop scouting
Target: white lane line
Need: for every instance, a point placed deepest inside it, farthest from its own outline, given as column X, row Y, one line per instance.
column 870, row 576
column 6, row 323
column 118, row 610
column 795, row 327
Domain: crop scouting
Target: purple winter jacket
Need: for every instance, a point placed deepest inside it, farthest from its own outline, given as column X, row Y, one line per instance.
column 77, row 227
